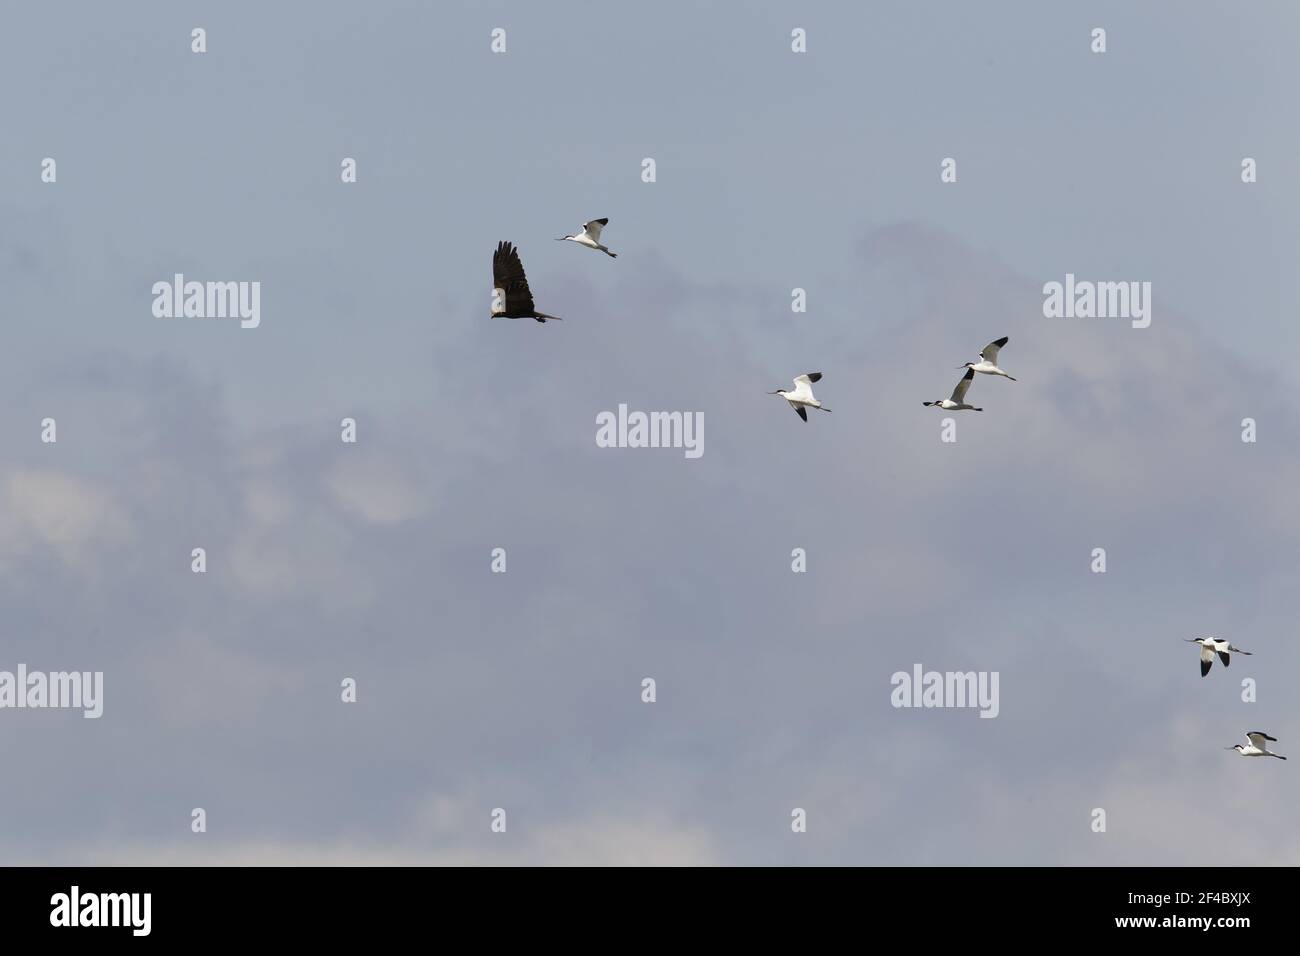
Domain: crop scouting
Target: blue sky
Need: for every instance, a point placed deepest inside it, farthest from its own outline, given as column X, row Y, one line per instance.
column 522, row 690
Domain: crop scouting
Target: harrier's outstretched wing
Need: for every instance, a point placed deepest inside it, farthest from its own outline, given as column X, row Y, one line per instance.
column 508, row 276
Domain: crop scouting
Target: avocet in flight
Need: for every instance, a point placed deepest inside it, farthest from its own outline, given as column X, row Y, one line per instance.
column 1257, row 746
column 511, row 298
column 802, row 397
column 590, row 236
column 958, row 401
column 1214, row 645
column 988, row 363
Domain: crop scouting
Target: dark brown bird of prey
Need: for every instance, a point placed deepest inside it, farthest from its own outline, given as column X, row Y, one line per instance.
column 511, row 298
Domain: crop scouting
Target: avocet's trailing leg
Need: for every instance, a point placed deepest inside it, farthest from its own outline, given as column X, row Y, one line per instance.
column 1211, row 646
column 590, row 236
column 958, row 401
column 1257, row 746
column 802, row 398
column 988, row 363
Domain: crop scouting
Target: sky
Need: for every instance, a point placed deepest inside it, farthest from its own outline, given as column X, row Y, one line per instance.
column 522, row 690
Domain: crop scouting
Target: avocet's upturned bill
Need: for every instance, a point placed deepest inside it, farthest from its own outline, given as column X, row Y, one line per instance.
column 1211, row 646
column 958, row 401
column 511, row 298
column 802, row 398
column 1258, row 745
column 590, row 236
column 988, row 363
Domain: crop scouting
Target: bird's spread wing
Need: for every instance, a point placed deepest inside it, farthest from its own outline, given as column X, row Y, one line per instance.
column 807, row 378
column 1206, row 663
column 959, row 393
column 990, row 353
column 1223, row 656
column 1258, row 738
column 803, row 412
column 508, row 275
column 802, row 390
column 593, row 228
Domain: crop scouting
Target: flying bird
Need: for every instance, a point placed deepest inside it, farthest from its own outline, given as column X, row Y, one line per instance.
column 590, row 236
column 1211, row 646
column 958, row 401
column 1256, row 747
column 802, row 398
column 514, row 301
column 988, row 363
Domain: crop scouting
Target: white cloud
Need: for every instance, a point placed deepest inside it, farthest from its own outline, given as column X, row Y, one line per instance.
column 603, row 842
column 378, row 491
column 59, row 512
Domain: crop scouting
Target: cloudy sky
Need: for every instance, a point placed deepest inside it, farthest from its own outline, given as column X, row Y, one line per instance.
column 522, row 690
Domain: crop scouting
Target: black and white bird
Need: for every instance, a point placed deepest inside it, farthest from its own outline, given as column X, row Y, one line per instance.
column 510, row 296
column 590, row 236
column 988, row 363
column 958, row 401
column 1211, row 646
column 802, row 398
column 1257, row 746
